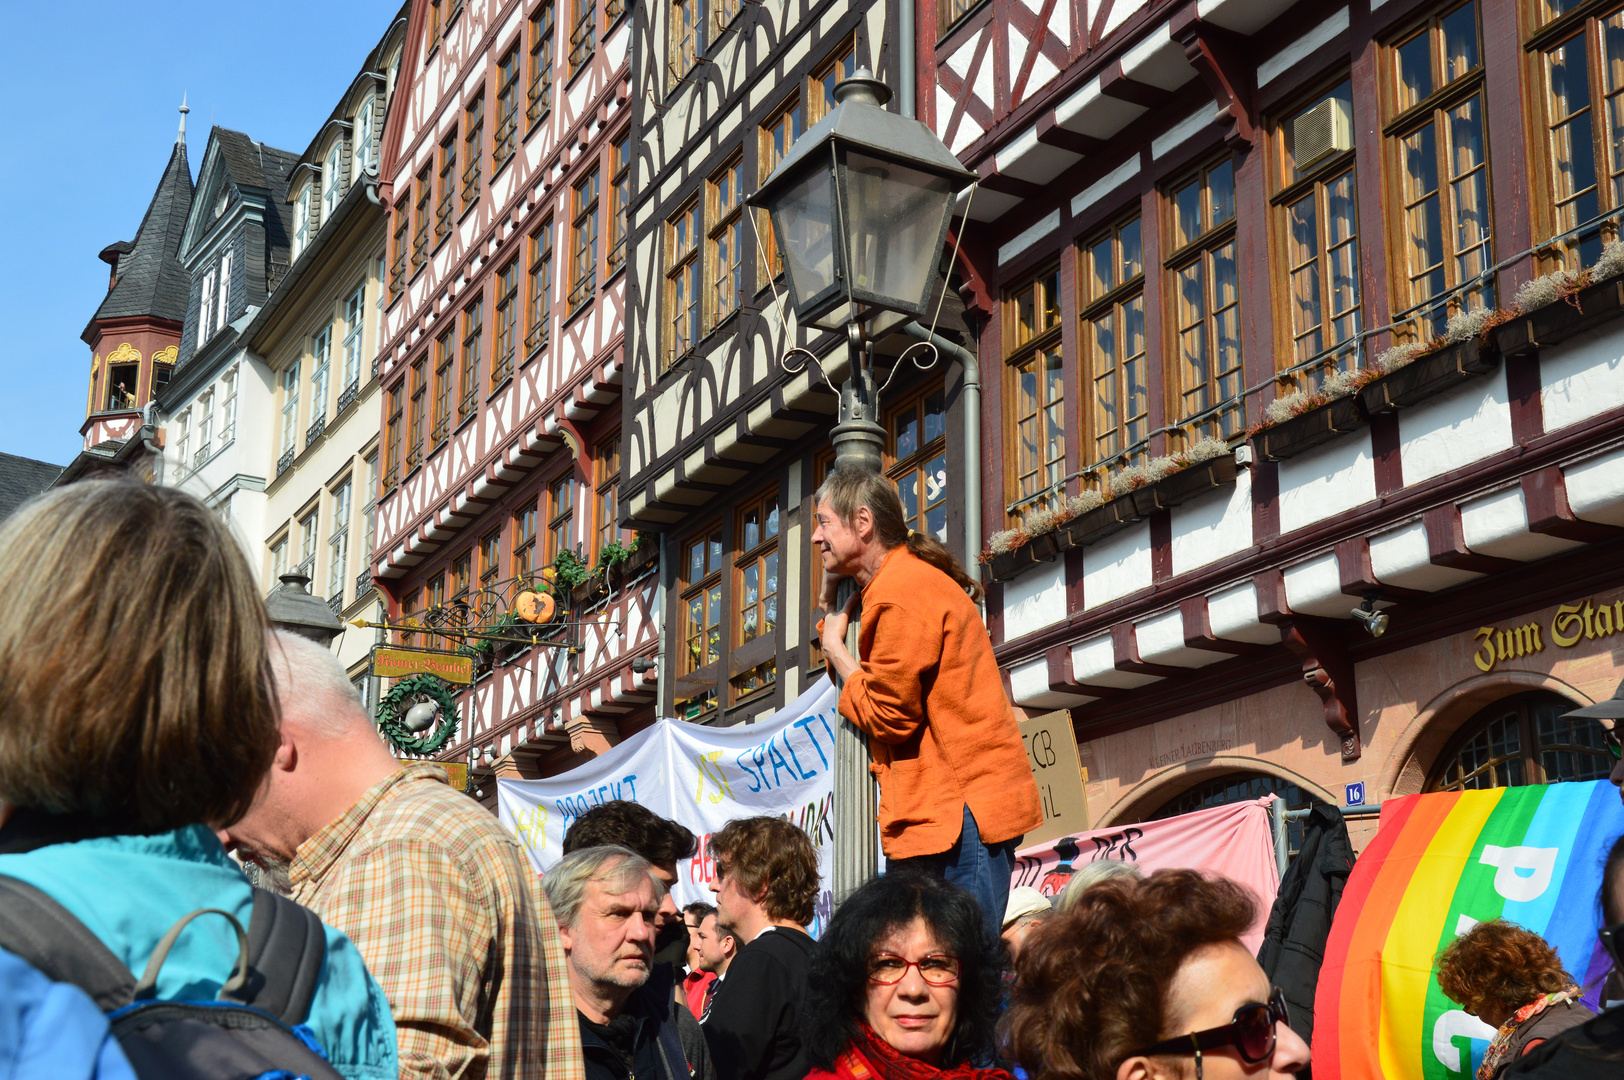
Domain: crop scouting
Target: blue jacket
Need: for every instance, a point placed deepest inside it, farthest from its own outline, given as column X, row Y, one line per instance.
column 129, row 890
column 52, row 1031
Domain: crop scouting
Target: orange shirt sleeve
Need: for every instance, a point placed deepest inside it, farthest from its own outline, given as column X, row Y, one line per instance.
column 885, row 697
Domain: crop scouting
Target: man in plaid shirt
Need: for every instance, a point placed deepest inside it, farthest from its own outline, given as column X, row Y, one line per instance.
column 442, row 903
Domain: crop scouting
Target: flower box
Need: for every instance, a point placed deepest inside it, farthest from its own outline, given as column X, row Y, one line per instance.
column 1427, row 375
column 1309, row 429
column 1557, row 321
column 1045, row 546
column 1098, row 523
column 1007, row 565
column 1183, row 485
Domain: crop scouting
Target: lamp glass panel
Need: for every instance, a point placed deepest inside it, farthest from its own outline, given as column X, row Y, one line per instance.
column 803, row 217
column 895, row 215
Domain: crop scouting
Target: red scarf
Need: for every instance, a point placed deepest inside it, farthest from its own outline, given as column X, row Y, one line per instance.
column 870, row 1057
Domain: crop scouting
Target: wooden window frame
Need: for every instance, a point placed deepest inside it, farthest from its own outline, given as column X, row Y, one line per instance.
column 543, row 57
column 1132, row 434
column 606, row 491
column 416, row 429
column 684, row 326
column 473, row 333
column 392, row 438
column 769, row 264
column 506, row 139
column 525, row 519
column 490, row 558
column 702, row 586
column 1018, row 352
column 584, row 237
column 560, row 515
column 461, row 575
column 913, row 467
column 1529, row 754
column 1400, row 122
column 473, row 147
column 1222, row 416
column 445, row 210
column 583, row 35
column 420, row 238
column 752, row 661
column 724, row 217
column 685, row 47
column 445, row 377
column 619, row 200
column 402, row 245
column 539, row 297
column 507, row 322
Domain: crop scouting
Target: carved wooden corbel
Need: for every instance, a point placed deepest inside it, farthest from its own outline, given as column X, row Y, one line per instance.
column 1329, row 673
column 1222, row 58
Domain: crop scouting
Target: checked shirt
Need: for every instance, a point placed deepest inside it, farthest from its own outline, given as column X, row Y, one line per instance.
column 453, row 925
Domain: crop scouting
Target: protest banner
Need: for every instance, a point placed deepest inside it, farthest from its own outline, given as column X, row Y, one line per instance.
column 1439, row 864
column 1233, row 841
column 701, row 777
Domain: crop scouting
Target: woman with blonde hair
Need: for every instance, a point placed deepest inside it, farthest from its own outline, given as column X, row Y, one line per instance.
column 140, row 713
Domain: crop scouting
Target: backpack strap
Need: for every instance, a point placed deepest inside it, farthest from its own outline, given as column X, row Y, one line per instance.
column 287, row 948
column 41, row 931
column 147, row 987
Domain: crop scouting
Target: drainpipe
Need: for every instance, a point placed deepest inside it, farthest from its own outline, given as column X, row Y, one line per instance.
column 972, row 432
column 906, row 48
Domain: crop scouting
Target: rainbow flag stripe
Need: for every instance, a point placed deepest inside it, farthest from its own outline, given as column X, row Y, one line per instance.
column 1438, row 864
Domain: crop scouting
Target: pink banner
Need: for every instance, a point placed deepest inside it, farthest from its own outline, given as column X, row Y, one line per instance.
column 1233, row 841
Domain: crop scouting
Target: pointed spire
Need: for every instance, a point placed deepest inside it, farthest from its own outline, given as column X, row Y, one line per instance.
column 180, row 140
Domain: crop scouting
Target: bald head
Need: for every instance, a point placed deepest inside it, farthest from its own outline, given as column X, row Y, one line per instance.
column 314, row 690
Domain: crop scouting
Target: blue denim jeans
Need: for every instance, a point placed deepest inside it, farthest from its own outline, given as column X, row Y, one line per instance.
column 982, row 870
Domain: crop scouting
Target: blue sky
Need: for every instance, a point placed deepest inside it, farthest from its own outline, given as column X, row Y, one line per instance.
column 91, row 91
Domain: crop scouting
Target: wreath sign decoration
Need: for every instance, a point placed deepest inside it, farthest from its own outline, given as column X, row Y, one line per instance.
column 410, row 691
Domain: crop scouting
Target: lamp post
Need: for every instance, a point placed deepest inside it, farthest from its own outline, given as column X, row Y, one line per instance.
column 860, row 206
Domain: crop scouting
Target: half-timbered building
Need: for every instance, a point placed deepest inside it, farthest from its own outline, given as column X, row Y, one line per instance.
column 1279, row 324
column 725, row 443
column 505, row 171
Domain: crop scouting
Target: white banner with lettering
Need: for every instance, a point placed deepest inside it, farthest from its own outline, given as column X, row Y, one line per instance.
column 702, row 777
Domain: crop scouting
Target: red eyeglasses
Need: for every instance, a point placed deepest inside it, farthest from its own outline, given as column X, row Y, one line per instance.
column 1252, row 1033
column 938, row 969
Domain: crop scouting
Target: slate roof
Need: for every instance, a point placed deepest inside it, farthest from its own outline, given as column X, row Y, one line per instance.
column 21, row 479
column 250, row 164
column 151, row 280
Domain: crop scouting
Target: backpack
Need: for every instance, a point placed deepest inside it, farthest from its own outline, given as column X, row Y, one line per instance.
column 253, row 1030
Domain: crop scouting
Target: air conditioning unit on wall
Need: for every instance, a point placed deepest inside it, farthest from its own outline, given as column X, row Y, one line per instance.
column 1324, row 130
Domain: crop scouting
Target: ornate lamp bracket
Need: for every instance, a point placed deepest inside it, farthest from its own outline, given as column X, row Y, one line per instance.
column 1329, row 673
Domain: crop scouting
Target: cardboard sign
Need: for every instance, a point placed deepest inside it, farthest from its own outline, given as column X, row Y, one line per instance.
column 398, row 663
column 1051, row 750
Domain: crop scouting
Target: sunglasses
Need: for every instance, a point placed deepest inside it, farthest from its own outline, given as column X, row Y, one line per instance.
column 1612, row 939
column 938, row 969
column 1252, row 1033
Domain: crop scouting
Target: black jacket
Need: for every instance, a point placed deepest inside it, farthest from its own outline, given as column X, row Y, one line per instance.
column 753, row 1026
column 1300, row 922
column 667, row 1044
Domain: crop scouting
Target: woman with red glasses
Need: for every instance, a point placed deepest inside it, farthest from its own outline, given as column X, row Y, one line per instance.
column 904, row 985
column 1148, row 980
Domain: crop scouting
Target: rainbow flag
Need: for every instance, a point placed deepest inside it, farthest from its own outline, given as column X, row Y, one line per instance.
column 1438, row 864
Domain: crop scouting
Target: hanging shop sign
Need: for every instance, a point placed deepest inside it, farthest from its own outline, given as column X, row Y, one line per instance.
column 1051, row 750
column 701, row 777
column 399, row 663
column 1584, row 620
column 1440, row 864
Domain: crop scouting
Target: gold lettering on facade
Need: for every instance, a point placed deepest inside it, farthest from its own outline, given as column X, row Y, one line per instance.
column 1512, row 644
column 1569, row 625
column 1586, row 620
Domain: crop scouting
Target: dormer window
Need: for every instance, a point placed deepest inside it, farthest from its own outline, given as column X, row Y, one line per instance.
column 332, row 180
column 366, row 146
column 205, row 309
column 220, row 203
column 301, row 220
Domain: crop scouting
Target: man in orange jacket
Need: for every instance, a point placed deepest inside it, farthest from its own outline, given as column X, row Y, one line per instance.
column 956, row 792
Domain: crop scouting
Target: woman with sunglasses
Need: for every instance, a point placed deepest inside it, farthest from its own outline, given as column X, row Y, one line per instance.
column 904, row 985
column 1147, row 979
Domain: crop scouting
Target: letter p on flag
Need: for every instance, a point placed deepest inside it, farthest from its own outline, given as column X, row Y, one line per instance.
column 1521, row 873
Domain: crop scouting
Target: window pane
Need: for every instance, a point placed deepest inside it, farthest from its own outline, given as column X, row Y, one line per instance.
column 1133, row 263
column 1303, row 247
column 1414, row 70
column 1469, row 181
column 1221, row 185
column 1187, row 213
column 907, row 434
column 1102, row 263
column 935, row 418
column 1460, row 42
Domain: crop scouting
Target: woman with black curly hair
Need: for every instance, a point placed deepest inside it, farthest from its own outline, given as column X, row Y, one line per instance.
column 1512, row 980
column 905, row 985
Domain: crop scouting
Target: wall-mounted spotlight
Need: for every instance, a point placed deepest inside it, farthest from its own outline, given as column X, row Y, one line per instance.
column 1374, row 622
column 644, row 663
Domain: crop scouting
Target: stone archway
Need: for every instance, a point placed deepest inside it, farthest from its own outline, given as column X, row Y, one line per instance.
column 1435, row 724
column 1151, row 793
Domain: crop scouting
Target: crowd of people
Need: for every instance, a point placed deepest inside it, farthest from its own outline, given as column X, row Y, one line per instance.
column 161, row 733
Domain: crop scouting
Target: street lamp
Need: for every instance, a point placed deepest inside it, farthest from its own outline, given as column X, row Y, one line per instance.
column 860, row 207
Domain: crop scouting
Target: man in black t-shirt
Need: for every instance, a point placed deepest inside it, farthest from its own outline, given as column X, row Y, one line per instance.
column 766, row 887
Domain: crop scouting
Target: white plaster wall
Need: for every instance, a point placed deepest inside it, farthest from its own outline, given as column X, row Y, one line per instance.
column 1456, row 428
column 1582, row 377
column 1497, row 525
column 1402, row 557
column 1596, row 488
column 1029, row 688
column 1232, row 615
column 1035, row 599
column 1315, row 588
column 1326, row 481
column 1216, row 525
column 1116, row 566
column 1094, row 661
column 1161, row 641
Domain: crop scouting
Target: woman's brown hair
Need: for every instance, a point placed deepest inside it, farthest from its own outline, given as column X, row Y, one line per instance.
column 1500, row 963
column 848, row 487
column 1091, row 984
column 133, row 656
